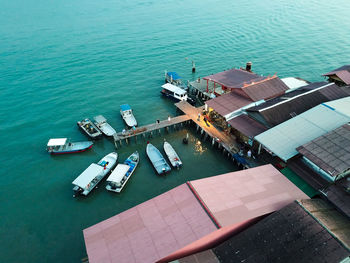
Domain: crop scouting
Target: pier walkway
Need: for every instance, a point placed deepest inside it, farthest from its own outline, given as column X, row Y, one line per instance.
column 227, row 141
column 148, row 129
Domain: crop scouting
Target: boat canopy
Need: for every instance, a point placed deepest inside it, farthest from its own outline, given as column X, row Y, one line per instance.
column 57, row 142
column 125, row 107
column 118, row 173
column 173, row 75
column 174, row 89
column 100, row 119
column 88, row 175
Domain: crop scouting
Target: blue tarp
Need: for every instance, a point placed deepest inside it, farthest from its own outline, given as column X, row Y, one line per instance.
column 125, row 107
column 239, row 159
column 174, row 75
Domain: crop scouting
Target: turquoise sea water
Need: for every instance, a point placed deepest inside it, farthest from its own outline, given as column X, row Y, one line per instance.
column 61, row 61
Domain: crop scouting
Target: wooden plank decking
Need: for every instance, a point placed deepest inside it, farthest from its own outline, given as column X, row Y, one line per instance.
column 151, row 127
column 227, row 141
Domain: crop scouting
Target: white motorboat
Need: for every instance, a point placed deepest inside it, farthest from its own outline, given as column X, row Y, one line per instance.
column 63, row 145
column 176, row 93
column 121, row 174
column 92, row 175
column 172, row 155
column 157, row 159
column 127, row 115
column 104, row 126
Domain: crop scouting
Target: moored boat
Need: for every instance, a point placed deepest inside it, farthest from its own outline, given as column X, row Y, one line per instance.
column 92, row 175
column 121, row 174
column 127, row 115
column 158, row 161
column 63, row 145
column 172, row 155
column 104, row 126
column 89, row 128
column 173, row 78
column 176, row 93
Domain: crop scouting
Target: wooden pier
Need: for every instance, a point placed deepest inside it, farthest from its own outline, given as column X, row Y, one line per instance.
column 225, row 141
column 149, row 130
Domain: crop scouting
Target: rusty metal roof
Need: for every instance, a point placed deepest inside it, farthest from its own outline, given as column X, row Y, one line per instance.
column 234, row 78
column 282, row 108
column 331, row 151
column 228, row 103
column 265, row 89
column 342, row 73
column 247, row 126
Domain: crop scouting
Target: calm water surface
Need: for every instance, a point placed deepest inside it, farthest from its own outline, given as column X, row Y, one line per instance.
column 61, row 61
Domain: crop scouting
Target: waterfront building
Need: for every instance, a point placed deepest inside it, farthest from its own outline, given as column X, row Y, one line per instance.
column 329, row 158
column 190, row 217
column 283, row 139
column 304, row 231
column 294, row 102
column 340, row 76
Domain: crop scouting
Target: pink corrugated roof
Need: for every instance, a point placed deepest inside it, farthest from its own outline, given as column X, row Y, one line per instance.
column 239, row 196
column 149, row 231
column 228, row 103
column 344, row 75
column 234, row 78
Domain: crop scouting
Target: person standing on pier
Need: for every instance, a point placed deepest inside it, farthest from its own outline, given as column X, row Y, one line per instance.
column 199, row 117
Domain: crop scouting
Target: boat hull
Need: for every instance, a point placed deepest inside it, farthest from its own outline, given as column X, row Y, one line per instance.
column 71, row 151
column 89, row 128
column 172, row 155
column 108, row 163
column 189, row 100
column 158, row 161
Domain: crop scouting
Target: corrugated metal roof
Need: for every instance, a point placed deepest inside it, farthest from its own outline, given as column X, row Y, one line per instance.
column 331, row 151
column 292, row 95
column 228, row 103
column 344, row 76
column 289, row 235
column 265, row 89
column 239, row 196
column 345, row 67
column 149, row 231
column 247, row 125
column 342, row 73
column 234, row 78
column 340, row 105
column 280, row 109
column 284, row 138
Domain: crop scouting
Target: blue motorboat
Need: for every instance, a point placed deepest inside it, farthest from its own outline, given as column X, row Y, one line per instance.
column 157, row 159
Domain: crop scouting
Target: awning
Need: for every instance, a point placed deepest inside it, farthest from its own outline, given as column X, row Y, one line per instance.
column 86, row 177
column 125, row 107
column 57, row 142
column 174, row 88
column 118, row 173
column 173, row 75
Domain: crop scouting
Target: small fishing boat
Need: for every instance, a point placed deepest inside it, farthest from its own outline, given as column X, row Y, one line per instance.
column 173, row 78
column 157, row 159
column 89, row 128
column 176, row 93
column 121, row 174
column 92, row 175
column 172, row 155
column 127, row 115
column 104, row 126
column 63, row 145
